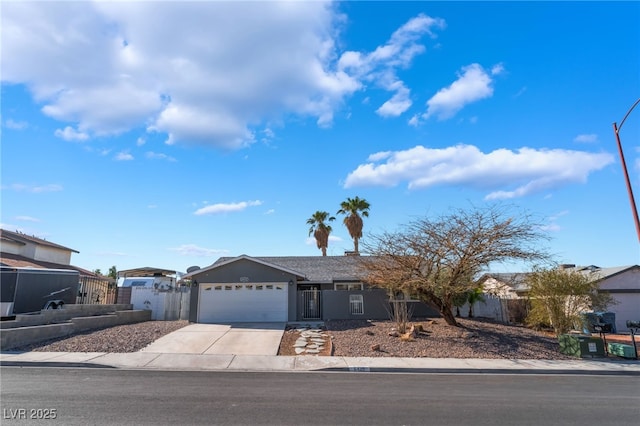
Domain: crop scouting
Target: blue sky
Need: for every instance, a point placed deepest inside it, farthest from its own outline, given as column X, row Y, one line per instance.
column 169, row 134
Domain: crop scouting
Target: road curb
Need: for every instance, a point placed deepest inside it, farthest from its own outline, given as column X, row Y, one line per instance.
column 386, row 370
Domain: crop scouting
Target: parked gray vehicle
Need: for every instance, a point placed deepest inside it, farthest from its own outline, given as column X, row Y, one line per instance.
column 29, row 290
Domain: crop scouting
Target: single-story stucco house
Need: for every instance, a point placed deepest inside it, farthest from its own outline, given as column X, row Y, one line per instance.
column 289, row 289
column 621, row 282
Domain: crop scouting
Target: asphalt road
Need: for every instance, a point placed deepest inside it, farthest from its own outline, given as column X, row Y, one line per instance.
column 142, row 397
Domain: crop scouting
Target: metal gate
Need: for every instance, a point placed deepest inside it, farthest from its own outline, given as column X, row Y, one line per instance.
column 311, row 304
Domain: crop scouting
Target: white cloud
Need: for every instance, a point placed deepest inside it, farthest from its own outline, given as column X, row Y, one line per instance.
column 586, row 138
column 399, row 103
column 520, row 92
column 34, row 188
column 472, row 85
column 226, row 207
column 414, row 121
column 497, row 69
column 505, row 173
column 195, row 251
column 270, row 211
column 27, row 219
column 203, row 79
column 159, row 156
column 123, row 156
column 16, row 125
column 552, row 225
column 141, row 141
column 380, row 66
column 70, row 134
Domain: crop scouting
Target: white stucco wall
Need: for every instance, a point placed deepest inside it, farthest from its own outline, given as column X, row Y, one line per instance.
column 628, row 302
column 11, row 247
column 50, row 254
column 497, row 288
column 627, row 280
column 627, row 309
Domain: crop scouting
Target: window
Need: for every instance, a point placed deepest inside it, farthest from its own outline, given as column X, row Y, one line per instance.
column 249, row 287
column 228, row 287
column 269, row 286
column 356, row 304
column 217, row 287
column 258, row 286
column 348, row 286
column 238, row 286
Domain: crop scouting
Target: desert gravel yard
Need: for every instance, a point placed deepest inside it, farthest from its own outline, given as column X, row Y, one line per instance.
column 117, row 339
column 476, row 338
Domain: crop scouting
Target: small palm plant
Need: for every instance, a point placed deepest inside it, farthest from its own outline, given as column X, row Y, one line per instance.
column 320, row 229
column 473, row 297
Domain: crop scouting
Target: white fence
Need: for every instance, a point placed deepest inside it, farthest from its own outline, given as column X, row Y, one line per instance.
column 164, row 305
column 492, row 307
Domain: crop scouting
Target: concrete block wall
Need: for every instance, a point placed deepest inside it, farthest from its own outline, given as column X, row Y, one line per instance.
column 19, row 336
column 52, row 316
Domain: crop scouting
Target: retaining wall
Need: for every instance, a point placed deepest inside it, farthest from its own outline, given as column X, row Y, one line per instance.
column 25, row 335
column 52, row 316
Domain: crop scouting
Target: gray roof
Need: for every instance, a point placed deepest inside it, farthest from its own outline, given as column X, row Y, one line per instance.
column 313, row 268
column 603, row 273
column 515, row 280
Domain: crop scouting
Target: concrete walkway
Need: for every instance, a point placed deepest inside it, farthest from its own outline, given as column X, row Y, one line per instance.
column 230, row 362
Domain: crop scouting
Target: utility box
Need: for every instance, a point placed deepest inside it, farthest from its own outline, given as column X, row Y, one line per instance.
column 580, row 345
column 621, row 350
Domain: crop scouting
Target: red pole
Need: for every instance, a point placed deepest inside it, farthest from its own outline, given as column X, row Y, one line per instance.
column 634, row 210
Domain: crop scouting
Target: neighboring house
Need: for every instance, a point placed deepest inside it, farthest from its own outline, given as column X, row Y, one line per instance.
column 20, row 250
column 621, row 282
column 32, row 251
column 275, row 289
column 505, row 285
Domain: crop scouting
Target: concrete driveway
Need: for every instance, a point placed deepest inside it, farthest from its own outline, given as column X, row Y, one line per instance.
column 226, row 339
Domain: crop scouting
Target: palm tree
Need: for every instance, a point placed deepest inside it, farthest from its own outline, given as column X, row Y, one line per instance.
column 354, row 208
column 474, row 296
column 320, row 229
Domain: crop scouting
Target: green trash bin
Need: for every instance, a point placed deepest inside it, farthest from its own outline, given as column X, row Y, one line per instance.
column 581, row 345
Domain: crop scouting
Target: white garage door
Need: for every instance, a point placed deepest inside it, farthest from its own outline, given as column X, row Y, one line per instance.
column 243, row 302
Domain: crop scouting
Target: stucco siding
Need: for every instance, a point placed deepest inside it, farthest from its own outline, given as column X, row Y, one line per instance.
column 627, row 280
column 50, row 254
column 336, row 304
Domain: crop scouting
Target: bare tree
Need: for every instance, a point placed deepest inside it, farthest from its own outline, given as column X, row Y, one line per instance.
column 437, row 260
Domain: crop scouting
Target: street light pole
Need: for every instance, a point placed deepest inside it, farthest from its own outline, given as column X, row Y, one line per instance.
column 616, row 130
